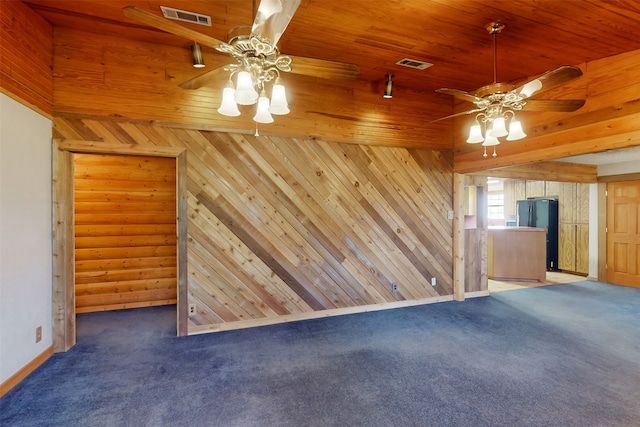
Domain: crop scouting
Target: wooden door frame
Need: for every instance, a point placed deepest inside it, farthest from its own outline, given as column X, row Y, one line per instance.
column 64, row 313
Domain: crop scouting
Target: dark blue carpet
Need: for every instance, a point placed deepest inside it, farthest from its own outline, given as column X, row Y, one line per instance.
column 563, row 355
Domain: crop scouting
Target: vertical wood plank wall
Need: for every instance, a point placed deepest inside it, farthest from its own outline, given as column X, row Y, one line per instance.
column 125, row 231
column 284, row 227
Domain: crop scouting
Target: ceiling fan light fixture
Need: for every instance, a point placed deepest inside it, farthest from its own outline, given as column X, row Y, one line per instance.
column 198, row 60
column 279, row 105
column 515, row 131
column 228, row 106
column 498, row 128
column 490, row 141
column 245, row 92
column 388, row 89
column 262, row 113
column 475, row 134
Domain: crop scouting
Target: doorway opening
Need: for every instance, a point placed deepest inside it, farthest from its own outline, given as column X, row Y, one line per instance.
column 64, row 239
column 124, row 231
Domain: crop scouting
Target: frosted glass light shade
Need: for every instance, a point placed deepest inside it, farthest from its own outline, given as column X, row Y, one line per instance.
column 262, row 113
column 490, row 140
column 228, row 106
column 279, row 104
column 245, row 93
column 498, row 129
column 475, row 134
column 515, row 131
column 531, row 87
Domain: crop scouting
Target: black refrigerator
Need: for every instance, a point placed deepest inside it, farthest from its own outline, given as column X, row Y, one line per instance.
column 542, row 212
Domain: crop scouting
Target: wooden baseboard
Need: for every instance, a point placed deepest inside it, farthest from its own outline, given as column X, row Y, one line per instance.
column 15, row 379
column 125, row 306
column 219, row 327
column 476, row 294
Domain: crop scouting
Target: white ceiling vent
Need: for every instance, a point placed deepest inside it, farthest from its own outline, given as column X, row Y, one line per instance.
column 183, row 15
column 413, row 63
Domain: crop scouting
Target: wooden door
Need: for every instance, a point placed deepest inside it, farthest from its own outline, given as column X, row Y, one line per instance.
column 623, row 233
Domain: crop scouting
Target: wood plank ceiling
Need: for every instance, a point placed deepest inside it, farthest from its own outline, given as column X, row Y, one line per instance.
column 539, row 36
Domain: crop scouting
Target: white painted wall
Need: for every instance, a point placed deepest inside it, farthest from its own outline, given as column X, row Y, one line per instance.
column 620, row 168
column 25, row 235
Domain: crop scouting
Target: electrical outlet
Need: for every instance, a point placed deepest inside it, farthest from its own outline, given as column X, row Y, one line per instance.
column 433, row 281
column 39, row 334
column 449, row 214
column 192, row 309
column 394, row 287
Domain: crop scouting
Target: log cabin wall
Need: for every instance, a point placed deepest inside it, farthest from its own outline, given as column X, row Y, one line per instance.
column 125, row 231
column 26, row 57
column 284, row 228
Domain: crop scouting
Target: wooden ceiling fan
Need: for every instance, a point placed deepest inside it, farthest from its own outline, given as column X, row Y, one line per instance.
column 254, row 48
column 494, row 102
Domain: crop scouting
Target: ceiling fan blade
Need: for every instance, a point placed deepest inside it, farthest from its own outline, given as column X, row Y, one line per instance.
column 460, row 94
column 155, row 21
column 203, row 79
column 463, row 113
column 272, row 19
column 324, row 69
column 549, row 80
column 558, row 105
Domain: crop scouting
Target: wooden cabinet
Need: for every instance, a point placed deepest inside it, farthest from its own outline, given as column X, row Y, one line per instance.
column 470, row 200
column 573, row 242
column 517, row 253
column 573, row 200
column 535, row 189
column 567, row 247
column 514, row 190
column 582, row 248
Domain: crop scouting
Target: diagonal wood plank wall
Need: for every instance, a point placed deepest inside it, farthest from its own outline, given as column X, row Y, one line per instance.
column 284, row 227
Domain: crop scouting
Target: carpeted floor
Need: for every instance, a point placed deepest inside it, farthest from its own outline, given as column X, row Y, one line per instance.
column 561, row 355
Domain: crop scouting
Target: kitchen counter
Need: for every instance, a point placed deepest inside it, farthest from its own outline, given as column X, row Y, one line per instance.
column 517, row 253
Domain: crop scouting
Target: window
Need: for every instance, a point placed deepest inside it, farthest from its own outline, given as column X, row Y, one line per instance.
column 496, row 205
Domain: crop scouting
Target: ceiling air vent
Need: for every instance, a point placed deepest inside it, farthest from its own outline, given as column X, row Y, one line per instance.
column 183, row 15
column 413, row 63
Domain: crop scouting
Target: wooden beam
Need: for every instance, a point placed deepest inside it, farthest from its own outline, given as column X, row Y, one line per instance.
column 458, row 237
column 546, row 171
column 619, row 178
column 64, row 325
column 181, row 232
